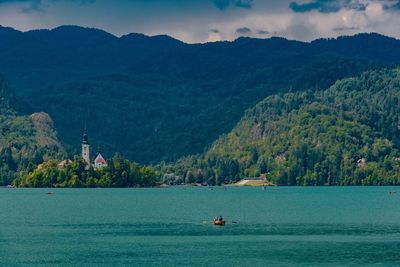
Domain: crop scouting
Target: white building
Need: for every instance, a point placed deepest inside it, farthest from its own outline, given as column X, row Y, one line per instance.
column 99, row 161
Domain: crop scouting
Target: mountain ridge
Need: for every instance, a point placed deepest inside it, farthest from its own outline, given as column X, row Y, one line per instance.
column 106, row 33
column 175, row 98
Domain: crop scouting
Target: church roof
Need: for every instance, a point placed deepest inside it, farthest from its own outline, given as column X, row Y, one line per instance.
column 100, row 159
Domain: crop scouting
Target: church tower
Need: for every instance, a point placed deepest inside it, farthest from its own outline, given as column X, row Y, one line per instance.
column 86, row 149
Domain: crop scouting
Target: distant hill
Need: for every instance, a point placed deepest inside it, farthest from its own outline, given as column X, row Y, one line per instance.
column 25, row 141
column 157, row 98
column 348, row 134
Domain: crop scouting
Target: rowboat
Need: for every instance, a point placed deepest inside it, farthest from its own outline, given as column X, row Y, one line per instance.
column 218, row 222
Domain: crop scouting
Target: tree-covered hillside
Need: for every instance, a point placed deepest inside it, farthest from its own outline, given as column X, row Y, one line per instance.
column 24, row 140
column 346, row 135
column 156, row 98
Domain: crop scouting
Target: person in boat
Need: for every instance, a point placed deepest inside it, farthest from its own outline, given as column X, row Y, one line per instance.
column 221, row 219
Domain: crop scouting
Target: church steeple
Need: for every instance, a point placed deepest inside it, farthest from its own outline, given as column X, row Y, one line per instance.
column 86, row 148
column 85, row 138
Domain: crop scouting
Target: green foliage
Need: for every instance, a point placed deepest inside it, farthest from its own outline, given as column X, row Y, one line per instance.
column 346, row 135
column 119, row 173
column 22, row 143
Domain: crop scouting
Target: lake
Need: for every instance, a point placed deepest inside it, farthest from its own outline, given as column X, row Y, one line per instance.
column 281, row 226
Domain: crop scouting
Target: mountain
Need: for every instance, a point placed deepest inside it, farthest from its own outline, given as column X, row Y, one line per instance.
column 348, row 134
column 156, row 98
column 25, row 141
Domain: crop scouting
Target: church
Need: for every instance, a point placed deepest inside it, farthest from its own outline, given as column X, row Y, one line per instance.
column 99, row 162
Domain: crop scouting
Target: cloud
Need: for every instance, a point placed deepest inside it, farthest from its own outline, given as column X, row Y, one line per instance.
column 262, row 32
column 392, row 5
column 243, row 31
column 243, row 3
column 329, row 6
column 32, row 4
column 39, row 5
column 323, row 6
column 40, row 1
column 214, row 30
column 342, row 29
column 224, row 4
column 15, row 1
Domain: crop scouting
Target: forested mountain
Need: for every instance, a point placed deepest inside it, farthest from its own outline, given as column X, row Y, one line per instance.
column 156, row 98
column 348, row 134
column 24, row 140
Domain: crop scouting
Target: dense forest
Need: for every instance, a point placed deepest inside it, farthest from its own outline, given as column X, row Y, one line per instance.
column 156, row 98
column 346, row 135
column 25, row 141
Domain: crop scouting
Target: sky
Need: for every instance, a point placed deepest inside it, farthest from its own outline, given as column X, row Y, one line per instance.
column 199, row 21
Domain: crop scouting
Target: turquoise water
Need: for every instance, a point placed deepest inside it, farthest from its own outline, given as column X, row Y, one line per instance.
column 318, row 226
